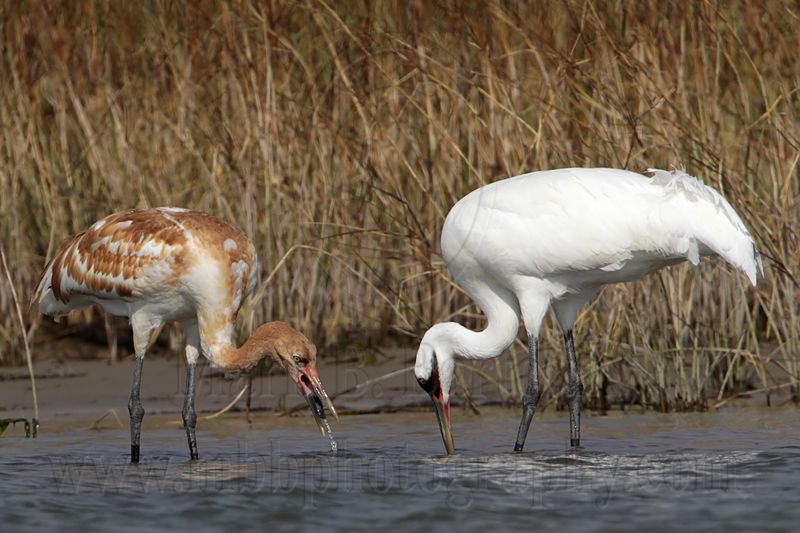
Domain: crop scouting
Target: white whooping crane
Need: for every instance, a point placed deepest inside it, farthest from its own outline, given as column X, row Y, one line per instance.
column 554, row 238
column 175, row 265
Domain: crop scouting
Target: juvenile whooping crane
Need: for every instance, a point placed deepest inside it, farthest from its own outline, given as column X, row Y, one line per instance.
column 175, row 265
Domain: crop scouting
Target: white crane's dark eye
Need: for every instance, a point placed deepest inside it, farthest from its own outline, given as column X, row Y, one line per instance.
column 428, row 385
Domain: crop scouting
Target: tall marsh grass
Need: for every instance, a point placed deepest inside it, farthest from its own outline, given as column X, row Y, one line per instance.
column 338, row 135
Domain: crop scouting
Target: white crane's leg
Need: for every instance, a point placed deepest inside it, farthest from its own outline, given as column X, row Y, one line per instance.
column 567, row 309
column 574, row 392
column 189, row 414
column 531, row 398
column 143, row 327
column 533, row 308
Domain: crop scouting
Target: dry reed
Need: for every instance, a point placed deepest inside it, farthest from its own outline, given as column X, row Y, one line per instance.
column 343, row 132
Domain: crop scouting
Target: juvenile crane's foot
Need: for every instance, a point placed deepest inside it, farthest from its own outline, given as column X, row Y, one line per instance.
column 136, row 410
column 189, row 414
column 190, row 434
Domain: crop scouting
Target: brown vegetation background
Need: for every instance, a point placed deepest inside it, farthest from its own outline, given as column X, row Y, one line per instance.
column 338, row 135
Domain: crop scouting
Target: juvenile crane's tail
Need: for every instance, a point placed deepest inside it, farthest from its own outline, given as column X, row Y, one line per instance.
column 707, row 222
column 43, row 300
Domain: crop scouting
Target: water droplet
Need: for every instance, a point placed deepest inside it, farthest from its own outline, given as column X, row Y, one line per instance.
column 334, row 446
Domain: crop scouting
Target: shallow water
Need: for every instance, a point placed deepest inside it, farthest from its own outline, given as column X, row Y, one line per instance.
column 738, row 469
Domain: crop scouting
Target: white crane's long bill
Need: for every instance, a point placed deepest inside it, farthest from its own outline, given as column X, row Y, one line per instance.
column 445, row 427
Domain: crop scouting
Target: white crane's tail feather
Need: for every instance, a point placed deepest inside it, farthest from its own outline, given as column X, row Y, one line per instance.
column 704, row 215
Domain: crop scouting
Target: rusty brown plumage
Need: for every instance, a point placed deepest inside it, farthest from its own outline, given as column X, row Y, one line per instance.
column 176, row 265
column 117, row 255
column 279, row 339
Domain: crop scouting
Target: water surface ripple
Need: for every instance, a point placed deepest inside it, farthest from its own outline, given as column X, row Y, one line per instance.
column 733, row 470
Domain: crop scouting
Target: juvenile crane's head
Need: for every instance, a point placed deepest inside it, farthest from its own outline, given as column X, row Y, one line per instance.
column 298, row 356
column 434, row 370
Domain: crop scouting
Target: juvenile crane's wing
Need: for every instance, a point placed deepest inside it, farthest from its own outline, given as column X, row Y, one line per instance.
column 123, row 257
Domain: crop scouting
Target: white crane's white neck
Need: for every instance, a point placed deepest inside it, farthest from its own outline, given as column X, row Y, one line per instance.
column 502, row 329
column 444, row 341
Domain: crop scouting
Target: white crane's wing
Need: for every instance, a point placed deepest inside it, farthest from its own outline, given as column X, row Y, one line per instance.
column 573, row 220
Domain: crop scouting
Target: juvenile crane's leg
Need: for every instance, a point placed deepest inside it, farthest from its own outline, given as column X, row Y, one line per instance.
column 135, row 408
column 532, row 392
column 111, row 337
column 574, row 392
column 189, row 415
column 143, row 326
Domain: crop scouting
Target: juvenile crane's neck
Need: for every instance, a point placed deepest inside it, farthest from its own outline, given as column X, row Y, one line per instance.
column 218, row 344
column 244, row 358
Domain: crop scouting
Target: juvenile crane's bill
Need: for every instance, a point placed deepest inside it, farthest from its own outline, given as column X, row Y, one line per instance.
column 176, row 265
column 554, row 238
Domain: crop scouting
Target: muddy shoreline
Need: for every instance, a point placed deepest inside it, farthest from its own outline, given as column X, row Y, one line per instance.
column 91, row 390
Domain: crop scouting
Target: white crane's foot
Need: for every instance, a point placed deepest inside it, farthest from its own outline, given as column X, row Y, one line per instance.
column 134, row 453
column 194, row 456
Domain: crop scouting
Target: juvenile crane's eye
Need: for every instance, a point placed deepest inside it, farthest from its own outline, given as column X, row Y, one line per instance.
column 297, row 359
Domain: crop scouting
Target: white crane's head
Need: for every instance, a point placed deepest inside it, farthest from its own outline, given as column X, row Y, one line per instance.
column 434, row 370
